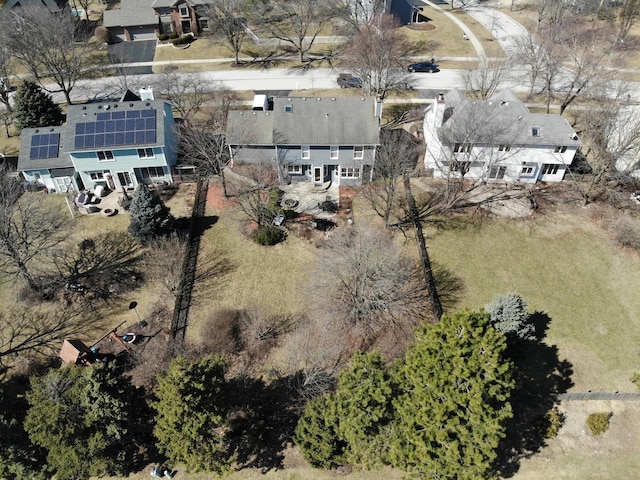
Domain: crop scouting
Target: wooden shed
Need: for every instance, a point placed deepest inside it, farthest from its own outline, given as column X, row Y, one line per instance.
column 76, row 352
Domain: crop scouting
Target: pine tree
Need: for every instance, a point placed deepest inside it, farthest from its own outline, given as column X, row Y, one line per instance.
column 81, row 416
column 35, row 108
column 456, row 385
column 509, row 315
column 317, row 434
column 363, row 408
column 190, row 421
column 150, row 218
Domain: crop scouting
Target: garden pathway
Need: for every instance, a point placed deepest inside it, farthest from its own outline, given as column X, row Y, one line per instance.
column 599, row 396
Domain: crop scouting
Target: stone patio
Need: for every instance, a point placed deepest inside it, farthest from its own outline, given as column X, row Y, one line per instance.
column 306, row 198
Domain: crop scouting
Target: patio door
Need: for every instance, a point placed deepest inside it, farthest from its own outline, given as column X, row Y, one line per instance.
column 317, row 175
column 64, row 184
column 125, row 180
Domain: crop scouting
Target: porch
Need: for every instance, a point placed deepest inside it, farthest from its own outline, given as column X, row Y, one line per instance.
column 307, row 198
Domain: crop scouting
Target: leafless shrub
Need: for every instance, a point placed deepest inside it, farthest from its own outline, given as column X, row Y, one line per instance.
column 626, row 231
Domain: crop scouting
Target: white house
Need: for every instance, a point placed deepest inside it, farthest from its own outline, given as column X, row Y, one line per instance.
column 496, row 139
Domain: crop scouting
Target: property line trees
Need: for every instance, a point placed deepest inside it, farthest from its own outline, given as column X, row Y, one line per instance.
column 35, row 108
column 150, row 218
column 45, row 44
column 378, row 53
column 295, row 22
column 457, row 368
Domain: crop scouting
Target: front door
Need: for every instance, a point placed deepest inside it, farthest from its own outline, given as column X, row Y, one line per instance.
column 125, row 180
column 317, row 175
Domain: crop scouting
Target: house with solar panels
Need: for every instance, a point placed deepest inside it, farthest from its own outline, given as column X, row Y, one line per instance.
column 117, row 145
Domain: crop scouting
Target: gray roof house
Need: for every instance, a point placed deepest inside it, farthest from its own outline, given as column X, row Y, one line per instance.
column 310, row 139
column 496, row 139
column 54, row 6
column 146, row 19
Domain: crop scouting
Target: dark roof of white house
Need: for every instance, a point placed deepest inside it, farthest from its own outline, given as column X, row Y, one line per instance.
column 307, row 121
column 501, row 119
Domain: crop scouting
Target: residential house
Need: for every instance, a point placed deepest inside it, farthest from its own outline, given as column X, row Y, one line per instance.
column 146, row 19
column 408, row 12
column 54, row 6
column 113, row 144
column 496, row 139
column 309, row 139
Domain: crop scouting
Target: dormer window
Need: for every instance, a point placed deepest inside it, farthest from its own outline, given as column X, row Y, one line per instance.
column 535, row 131
column 288, row 108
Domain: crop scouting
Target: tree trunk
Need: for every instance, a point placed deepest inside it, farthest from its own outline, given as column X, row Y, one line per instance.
column 425, row 262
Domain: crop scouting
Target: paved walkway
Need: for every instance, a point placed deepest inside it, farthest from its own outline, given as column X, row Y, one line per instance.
column 599, row 396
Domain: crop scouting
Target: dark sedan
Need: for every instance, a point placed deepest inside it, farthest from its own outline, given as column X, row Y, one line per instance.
column 423, row 67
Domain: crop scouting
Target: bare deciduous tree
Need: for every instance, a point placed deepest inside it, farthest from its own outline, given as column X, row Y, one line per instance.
column 253, row 193
column 361, row 12
column 628, row 14
column 45, row 44
column 371, row 286
column 295, row 22
column 6, row 72
column 487, row 78
column 30, row 231
column 228, row 21
column 378, row 53
column 187, row 92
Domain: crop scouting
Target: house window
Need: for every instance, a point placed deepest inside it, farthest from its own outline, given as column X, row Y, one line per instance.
column 462, row 147
column 504, row 148
column 204, row 25
column 560, row 149
column 527, row 169
column 334, row 152
column 549, row 168
column 294, row 169
column 98, row 175
column 146, row 153
column 184, row 11
column 462, row 167
column 164, row 11
column 535, row 131
column 496, row 172
column 305, row 152
column 151, row 172
column 105, row 156
column 358, row 152
column 350, row 172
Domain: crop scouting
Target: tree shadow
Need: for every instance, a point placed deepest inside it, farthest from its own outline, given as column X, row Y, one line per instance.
column 450, row 286
column 263, row 418
column 205, row 223
column 540, row 377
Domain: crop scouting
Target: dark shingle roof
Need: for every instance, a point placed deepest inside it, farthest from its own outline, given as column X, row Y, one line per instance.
column 307, row 121
column 132, row 13
column 52, row 5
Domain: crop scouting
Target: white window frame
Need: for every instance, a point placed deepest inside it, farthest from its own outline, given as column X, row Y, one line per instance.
column 496, row 172
column 350, row 172
column 504, row 148
column 462, row 147
column 560, row 149
column 550, row 168
column 182, row 9
column 527, row 170
column 536, row 131
column 358, row 152
column 305, row 152
column 105, row 156
column 146, row 153
column 98, row 175
column 334, row 153
column 294, row 169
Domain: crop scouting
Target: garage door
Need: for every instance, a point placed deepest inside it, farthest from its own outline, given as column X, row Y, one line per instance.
column 142, row 33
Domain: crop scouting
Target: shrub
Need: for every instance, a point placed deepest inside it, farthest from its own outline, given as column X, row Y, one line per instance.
column 102, row 34
column 173, row 35
column 162, row 37
column 268, row 235
column 183, row 40
column 598, row 423
column 551, row 423
column 275, row 194
column 627, row 232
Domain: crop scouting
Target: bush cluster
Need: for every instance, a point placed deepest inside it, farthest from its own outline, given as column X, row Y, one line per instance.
column 598, row 423
column 268, row 235
column 627, row 232
column 551, row 423
column 183, row 40
column 167, row 36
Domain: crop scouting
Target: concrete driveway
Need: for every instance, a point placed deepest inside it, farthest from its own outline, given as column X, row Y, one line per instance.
column 139, row 51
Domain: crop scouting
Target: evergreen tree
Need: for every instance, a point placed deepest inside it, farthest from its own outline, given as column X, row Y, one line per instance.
column 509, row 315
column 81, row 415
column 363, row 408
column 34, row 107
column 150, row 218
column 190, row 422
column 456, row 385
column 317, row 434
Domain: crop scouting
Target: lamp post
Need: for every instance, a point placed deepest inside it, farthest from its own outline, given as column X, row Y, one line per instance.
column 141, row 322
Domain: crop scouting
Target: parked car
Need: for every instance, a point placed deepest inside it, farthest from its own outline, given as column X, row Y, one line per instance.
column 423, row 67
column 346, row 80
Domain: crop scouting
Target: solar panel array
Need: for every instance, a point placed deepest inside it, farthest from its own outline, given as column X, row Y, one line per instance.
column 44, row 145
column 113, row 129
